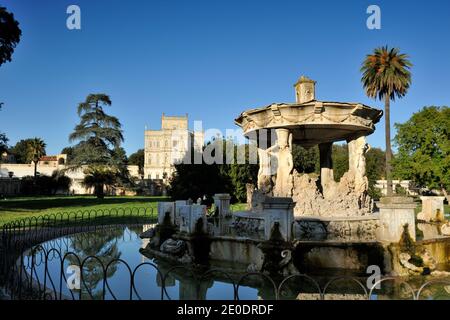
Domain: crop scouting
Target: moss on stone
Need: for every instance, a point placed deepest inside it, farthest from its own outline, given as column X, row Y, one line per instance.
column 201, row 244
column 272, row 249
column 165, row 230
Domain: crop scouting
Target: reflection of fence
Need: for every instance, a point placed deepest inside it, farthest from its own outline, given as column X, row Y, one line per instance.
column 20, row 235
column 26, row 267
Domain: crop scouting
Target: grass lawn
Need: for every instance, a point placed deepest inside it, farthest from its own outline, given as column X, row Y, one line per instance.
column 17, row 208
column 23, row 207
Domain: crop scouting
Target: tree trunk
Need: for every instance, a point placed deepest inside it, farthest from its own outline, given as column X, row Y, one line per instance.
column 35, row 169
column 387, row 115
column 99, row 191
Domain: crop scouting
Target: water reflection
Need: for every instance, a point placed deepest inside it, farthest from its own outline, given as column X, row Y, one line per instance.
column 107, row 276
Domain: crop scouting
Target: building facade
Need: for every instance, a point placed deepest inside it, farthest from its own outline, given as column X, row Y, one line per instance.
column 168, row 146
column 12, row 173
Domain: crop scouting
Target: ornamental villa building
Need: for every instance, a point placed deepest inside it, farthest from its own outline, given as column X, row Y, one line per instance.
column 168, row 146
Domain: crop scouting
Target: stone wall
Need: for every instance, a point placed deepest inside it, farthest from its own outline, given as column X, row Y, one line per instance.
column 77, row 176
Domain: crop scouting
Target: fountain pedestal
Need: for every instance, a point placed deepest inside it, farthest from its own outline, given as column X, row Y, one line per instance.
column 222, row 203
column 432, row 209
column 395, row 212
column 280, row 212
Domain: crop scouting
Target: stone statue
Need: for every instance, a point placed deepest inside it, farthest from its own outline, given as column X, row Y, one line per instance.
column 284, row 182
column 357, row 150
column 265, row 169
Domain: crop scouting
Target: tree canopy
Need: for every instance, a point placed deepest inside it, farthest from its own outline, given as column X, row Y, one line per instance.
column 198, row 180
column 22, row 151
column 423, row 144
column 35, row 150
column 3, row 140
column 70, row 152
column 137, row 159
column 99, row 138
column 98, row 133
column 3, row 143
column 10, row 34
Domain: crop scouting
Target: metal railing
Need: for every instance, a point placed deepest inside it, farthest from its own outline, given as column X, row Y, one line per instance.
column 28, row 267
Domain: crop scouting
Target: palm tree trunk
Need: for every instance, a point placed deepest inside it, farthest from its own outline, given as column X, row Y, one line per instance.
column 388, row 143
column 35, row 169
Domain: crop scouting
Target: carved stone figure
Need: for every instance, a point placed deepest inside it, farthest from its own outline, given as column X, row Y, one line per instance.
column 357, row 150
column 283, row 184
column 265, row 171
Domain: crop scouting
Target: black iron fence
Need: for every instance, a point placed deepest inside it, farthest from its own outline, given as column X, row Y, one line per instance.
column 20, row 235
column 31, row 270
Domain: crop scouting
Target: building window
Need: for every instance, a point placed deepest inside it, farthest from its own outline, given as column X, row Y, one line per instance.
column 175, row 143
column 157, row 176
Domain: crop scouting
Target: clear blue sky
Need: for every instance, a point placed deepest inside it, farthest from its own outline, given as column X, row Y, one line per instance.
column 211, row 59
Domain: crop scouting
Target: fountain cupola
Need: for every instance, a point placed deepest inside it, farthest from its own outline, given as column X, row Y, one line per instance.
column 305, row 90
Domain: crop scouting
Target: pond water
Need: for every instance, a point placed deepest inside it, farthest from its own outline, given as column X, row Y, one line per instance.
column 117, row 257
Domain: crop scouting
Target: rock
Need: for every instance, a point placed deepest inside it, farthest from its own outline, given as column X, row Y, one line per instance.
column 4, row 295
column 428, row 260
column 150, row 233
column 445, row 229
column 172, row 246
column 404, row 261
column 428, row 263
column 252, row 267
column 186, row 259
column 438, row 273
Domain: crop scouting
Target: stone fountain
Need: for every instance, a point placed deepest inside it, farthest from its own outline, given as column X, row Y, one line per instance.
column 298, row 222
column 341, row 207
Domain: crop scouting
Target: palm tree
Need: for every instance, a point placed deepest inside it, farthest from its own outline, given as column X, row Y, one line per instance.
column 98, row 177
column 386, row 76
column 36, row 149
